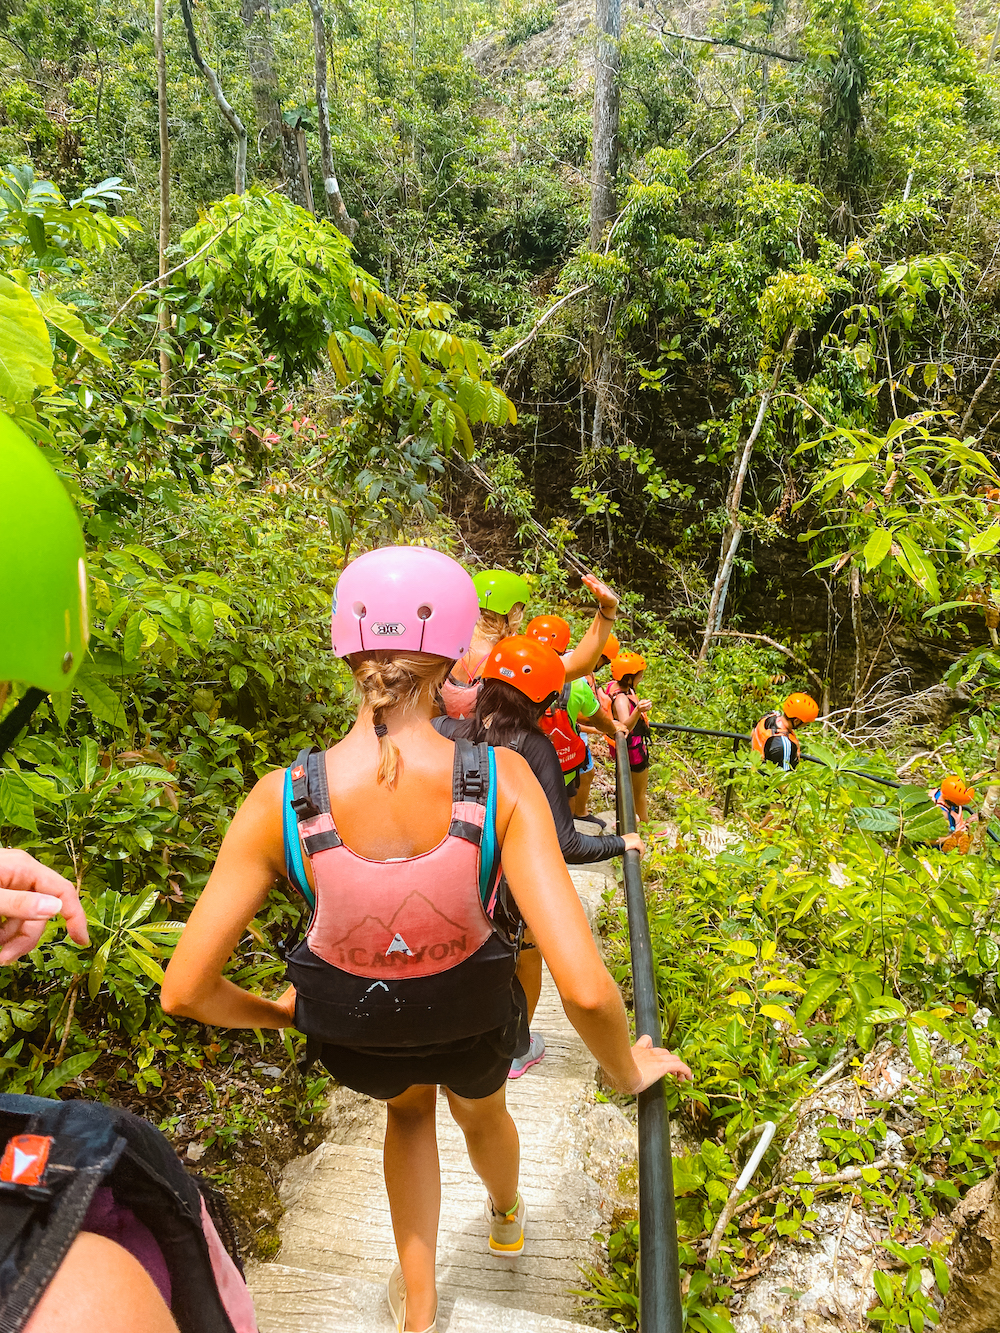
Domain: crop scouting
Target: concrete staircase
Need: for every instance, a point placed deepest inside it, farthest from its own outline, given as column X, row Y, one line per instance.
column 337, row 1248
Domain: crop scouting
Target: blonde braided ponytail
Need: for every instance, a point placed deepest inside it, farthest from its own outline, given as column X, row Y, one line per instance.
column 389, row 683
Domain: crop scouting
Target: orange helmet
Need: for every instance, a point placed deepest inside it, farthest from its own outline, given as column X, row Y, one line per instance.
column 612, row 648
column 552, row 630
column 800, row 708
column 953, row 789
column 627, row 664
column 530, row 666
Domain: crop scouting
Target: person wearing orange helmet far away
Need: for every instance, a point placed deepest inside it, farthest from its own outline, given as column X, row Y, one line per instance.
column 952, row 798
column 774, row 736
column 580, row 805
column 626, row 706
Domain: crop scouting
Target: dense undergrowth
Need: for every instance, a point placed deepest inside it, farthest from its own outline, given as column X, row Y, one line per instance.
column 827, row 927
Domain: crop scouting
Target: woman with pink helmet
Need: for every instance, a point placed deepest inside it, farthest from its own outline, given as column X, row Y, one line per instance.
column 403, row 844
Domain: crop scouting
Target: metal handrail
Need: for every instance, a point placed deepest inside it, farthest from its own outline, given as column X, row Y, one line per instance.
column 659, row 1265
column 809, row 758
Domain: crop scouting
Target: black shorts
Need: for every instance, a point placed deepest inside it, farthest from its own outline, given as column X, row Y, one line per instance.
column 474, row 1067
column 639, row 768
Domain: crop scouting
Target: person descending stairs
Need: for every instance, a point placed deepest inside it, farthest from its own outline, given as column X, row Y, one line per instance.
column 774, row 737
column 406, row 977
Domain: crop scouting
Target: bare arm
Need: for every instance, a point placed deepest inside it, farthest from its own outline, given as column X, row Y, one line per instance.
column 582, row 659
column 250, row 860
column 548, row 901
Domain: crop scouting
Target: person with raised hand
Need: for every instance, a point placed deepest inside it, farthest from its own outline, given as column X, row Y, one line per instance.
column 502, row 598
column 418, row 857
column 522, row 678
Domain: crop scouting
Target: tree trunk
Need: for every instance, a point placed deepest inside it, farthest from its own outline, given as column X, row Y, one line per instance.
column 334, row 202
column 604, row 159
column 162, row 312
column 228, row 114
column 857, row 625
column 302, row 151
column 276, row 140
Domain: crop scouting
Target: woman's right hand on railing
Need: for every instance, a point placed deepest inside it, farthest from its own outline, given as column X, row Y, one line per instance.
column 654, row 1062
column 633, row 843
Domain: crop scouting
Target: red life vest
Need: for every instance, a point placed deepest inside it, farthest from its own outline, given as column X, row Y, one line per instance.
column 558, row 726
column 403, row 952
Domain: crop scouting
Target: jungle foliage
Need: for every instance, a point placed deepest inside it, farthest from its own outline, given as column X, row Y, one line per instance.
column 787, row 342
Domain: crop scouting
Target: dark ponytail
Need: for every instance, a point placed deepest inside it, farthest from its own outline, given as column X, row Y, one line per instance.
column 509, row 713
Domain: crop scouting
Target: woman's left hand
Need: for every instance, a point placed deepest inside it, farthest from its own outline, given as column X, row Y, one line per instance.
column 607, row 601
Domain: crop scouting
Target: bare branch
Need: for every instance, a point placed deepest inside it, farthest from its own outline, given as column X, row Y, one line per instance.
column 731, row 41
column 772, row 643
column 577, row 291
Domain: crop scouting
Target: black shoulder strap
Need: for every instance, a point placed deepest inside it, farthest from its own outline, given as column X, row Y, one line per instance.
column 517, row 742
column 470, row 782
column 564, row 696
column 311, row 797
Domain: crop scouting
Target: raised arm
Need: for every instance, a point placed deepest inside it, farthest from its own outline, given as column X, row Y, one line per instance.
column 582, row 659
column 250, row 860
column 549, row 904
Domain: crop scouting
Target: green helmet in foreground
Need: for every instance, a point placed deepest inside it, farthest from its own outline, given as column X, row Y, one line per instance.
column 499, row 590
column 43, row 578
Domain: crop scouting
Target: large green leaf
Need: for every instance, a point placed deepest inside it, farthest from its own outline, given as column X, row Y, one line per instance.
column 65, row 319
column 25, row 350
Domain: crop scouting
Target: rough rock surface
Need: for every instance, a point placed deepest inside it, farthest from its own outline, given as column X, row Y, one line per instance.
column 973, row 1302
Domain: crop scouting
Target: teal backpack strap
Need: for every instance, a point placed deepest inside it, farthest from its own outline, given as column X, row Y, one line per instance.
column 295, row 867
column 489, row 852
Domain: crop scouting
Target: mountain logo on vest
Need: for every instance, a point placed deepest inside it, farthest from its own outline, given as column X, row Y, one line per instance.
column 24, row 1159
column 417, row 933
column 388, row 627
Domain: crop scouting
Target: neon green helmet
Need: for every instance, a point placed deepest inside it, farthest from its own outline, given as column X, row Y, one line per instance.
column 499, row 590
column 43, row 578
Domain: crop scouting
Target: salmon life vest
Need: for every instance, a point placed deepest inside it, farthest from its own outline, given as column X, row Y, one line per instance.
column 410, row 952
column 785, row 752
column 459, row 697
column 558, row 726
column 74, row 1166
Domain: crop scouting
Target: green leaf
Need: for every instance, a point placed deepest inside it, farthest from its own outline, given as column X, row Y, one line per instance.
column 238, row 676
column 145, row 964
column 877, row 548
column 819, row 991
column 743, row 947
column 65, row 319
column 101, row 699
column 980, row 730
column 918, row 1044
column 202, row 619
column 66, row 1073
column 16, row 805
column 875, row 818
column 97, row 968
column 132, row 642
column 917, row 566
column 25, row 349
column 61, row 702
column 715, row 1321
column 985, row 542
column 883, row 1287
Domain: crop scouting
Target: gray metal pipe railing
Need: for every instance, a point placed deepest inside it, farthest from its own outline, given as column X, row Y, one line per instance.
column 809, row 758
column 659, row 1267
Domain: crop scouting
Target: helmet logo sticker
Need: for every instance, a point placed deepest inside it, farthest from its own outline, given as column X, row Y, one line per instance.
column 398, row 945
column 388, row 627
column 505, row 671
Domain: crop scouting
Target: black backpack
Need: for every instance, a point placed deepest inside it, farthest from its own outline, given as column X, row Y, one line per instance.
column 53, row 1158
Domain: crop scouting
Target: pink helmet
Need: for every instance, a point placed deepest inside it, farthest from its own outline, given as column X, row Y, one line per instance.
column 407, row 597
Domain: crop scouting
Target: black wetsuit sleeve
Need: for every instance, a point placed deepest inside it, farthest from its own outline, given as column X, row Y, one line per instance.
column 578, row 849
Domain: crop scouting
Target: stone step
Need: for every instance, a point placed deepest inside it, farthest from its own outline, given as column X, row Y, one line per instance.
column 300, row 1300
